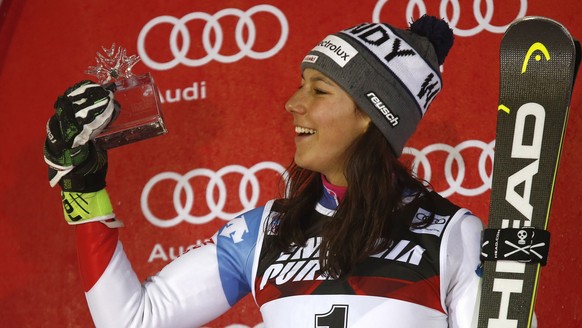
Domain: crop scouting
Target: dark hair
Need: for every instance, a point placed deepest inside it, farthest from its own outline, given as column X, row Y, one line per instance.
column 364, row 220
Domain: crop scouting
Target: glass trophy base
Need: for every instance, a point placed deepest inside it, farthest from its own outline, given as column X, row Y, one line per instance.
column 140, row 116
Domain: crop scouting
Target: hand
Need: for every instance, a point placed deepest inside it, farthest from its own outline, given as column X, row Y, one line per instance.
column 73, row 158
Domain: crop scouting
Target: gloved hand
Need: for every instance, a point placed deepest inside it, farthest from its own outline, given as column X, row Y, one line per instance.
column 75, row 162
column 81, row 114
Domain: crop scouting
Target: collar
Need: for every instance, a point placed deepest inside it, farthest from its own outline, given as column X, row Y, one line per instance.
column 332, row 195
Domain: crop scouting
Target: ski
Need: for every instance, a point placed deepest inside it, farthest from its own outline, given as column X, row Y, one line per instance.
column 537, row 71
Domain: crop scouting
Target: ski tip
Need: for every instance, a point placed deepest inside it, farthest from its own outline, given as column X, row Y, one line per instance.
column 538, row 19
column 527, row 20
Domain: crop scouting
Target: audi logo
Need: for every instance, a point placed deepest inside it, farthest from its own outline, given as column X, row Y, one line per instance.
column 216, row 183
column 215, row 192
column 483, row 21
column 453, row 155
column 212, row 49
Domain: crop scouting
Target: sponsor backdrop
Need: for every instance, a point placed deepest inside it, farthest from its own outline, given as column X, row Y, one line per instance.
column 224, row 70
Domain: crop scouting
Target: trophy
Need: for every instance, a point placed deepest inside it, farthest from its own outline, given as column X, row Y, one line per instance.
column 140, row 116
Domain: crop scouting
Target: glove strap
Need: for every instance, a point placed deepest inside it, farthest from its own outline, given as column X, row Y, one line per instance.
column 88, row 207
column 87, row 182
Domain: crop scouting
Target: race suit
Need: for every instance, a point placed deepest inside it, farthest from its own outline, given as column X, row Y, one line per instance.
column 428, row 277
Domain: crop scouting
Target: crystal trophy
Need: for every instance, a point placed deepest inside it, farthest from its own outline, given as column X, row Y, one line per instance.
column 140, row 116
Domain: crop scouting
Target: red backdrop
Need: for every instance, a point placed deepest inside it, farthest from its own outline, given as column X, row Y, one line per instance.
column 229, row 133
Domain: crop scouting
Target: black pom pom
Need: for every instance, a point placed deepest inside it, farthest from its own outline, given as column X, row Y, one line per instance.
column 438, row 33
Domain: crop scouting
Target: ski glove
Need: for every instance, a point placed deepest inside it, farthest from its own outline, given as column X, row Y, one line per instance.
column 75, row 161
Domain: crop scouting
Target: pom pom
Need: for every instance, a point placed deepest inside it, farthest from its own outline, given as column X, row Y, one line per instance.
column 438, row 33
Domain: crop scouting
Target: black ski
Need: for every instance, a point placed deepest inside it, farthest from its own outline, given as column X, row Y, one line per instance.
column 538, row 63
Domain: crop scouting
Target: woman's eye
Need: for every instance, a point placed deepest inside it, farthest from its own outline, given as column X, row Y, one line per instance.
column 320, row 92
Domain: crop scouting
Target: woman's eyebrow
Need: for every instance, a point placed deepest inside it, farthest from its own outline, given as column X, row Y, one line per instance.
column 322, row 79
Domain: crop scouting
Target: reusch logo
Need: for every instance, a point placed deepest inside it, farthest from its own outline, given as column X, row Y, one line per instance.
column 390, row 117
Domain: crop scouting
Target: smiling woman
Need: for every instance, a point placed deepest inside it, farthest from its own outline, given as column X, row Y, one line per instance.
column 327, row 123
column 357, row 241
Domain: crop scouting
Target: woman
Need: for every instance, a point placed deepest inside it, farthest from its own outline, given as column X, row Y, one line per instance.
column 357, row 242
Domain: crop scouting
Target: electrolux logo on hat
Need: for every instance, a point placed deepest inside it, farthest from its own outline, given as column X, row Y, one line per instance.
column 337, row 49
column 390, row 117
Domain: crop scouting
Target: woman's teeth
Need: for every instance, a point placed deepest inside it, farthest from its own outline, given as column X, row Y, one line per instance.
column 302, row 130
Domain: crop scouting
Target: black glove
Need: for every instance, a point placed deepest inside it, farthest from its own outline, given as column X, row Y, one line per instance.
column 75, row 161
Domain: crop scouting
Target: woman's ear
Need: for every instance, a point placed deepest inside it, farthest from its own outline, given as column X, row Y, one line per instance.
column 365, row 118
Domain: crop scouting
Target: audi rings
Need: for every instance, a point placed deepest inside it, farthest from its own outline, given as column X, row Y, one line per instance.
column 483, row 21
column 183, row 187
column 420, row 160
column 183, row 194
column 212, row 49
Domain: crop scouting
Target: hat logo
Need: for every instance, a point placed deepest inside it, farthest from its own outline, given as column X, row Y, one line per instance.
column 428, row 89
column 310, row 59
column 400, row 59
column 366, row 32
column 337, row 49
column 377, row 35
column 390, row 117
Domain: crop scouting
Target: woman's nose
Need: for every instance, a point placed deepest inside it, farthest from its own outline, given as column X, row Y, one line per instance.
column 295, row 104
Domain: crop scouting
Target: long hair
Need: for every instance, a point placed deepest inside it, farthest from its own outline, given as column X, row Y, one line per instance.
column 366, row 217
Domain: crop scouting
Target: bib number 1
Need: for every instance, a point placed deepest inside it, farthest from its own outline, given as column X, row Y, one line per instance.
column 337, row 317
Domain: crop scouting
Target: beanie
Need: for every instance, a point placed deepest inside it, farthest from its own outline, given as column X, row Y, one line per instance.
column 392, row 74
